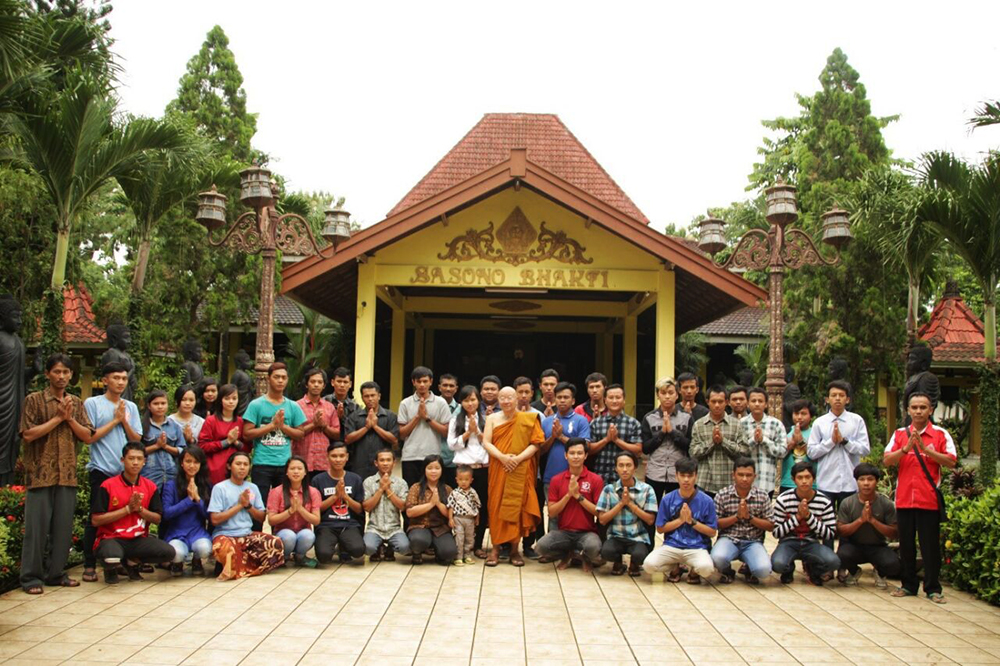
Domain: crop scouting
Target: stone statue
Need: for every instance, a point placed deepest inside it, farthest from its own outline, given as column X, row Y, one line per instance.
column 243, row 380
column 193, row 372
column 119, row 340
column 838, row 370
column 745, row 377
column 792, row 393
column 920, row 379
column 14, row 378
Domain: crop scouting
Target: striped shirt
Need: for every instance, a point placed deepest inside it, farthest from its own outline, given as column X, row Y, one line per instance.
column 715, row 468
column 769, row 451
column 821, row 524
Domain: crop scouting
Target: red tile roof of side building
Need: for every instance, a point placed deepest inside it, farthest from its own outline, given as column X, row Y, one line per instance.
column 954, row 331
column 79, row 325
column 549, row 144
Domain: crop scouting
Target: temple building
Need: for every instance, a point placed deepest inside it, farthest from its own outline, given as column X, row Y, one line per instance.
column 515, row 253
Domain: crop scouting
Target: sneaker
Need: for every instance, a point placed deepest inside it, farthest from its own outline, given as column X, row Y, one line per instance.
column 389, row 555
column 530, row 553
column 787, row 577
column 133, row 573
column 817, row 580
column 880, row 582
column 111, row 576
column 197, row 568
column 176, row 570
column 377, row 555
column 459, row 563
column 470, row 560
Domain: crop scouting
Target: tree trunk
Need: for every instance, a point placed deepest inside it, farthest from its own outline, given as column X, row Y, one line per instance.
column 990, row 326
column 912, row 313
column 142, row 260
column 59, row 266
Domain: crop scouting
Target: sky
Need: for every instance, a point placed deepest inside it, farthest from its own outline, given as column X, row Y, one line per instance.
column 361, row 99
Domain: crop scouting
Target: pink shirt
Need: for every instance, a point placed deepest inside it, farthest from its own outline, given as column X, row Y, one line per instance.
column 313, row 446
column 296, row 523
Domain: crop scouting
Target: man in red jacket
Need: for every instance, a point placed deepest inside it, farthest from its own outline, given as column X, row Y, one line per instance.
column 122, row 510
column 917, row 502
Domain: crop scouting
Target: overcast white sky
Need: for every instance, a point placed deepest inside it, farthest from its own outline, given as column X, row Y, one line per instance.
column 363, row 98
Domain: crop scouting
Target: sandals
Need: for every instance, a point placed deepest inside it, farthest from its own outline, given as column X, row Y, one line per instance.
column 493, row 559
column 516, row 559
column 727, row 577
column 89, row 575
column 33, row 589
column 693, row 578
column 65, row 581
column 618, row 569
column 674, row 576
column 937, row 598
column 900, row 592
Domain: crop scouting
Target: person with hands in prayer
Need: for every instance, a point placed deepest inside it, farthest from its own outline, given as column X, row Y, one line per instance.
column 745, row 515
column 341, row 513
column 627, row 507
column 385, row 499
column 368, row 429
column 865, row 523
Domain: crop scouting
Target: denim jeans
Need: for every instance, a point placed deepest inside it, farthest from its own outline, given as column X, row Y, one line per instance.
column 752, row 553
column 560, row 543
column 300, row 542
column 399, row 543
column 201, row 548
column 821, row 559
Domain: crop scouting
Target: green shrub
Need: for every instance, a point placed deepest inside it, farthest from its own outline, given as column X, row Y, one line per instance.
column 970, row 537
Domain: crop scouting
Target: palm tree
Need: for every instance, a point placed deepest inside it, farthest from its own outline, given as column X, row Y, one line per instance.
column 313, row 345
column 689, row 352
column 154, row 186
column 963, row 203
column 76, row 143
column 987, row 114
column 885, row 203
column 754, row 357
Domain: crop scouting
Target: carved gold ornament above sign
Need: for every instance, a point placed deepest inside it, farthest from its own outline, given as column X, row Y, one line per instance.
column 519, row 244
column 515, row 306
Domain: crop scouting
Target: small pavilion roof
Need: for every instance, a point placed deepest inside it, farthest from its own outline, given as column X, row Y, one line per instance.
column 954, row 331
column 79, row 325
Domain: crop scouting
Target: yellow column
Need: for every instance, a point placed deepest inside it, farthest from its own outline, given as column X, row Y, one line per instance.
column 418, row 345
column 364, row 329
column 665, row 332
column 396, row 362
column 630, row 352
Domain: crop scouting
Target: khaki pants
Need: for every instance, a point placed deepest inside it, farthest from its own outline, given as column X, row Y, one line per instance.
column 465, row 536
column 668, row 558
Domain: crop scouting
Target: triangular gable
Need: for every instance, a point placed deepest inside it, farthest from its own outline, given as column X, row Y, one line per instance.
column 954, row 331
column 549, row 144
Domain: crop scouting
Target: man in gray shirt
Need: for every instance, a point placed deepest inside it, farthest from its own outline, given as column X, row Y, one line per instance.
column 423, row 426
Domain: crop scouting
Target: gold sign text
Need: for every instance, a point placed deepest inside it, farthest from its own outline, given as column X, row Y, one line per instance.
column 558, row 278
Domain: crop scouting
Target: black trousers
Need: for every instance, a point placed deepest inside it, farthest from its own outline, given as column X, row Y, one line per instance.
column 884, row 559
column 48, row 526
column 148, row 550
column 445, row 548
column 96, row 478
column 348, row 539
column 265, row 477
column 925, row 524
column 615, row 547
column 412, row 471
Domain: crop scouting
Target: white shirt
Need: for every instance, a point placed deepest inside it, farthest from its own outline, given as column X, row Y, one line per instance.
column 471, row 452
column 835, row 463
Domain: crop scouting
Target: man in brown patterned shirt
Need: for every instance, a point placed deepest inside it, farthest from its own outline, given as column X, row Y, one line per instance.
column 51, row 424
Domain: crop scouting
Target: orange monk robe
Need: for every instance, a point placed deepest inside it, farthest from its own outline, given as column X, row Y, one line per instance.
column 513, row 504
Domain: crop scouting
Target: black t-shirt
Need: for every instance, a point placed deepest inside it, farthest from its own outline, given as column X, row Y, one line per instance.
column 883, row 510
column 339, row 515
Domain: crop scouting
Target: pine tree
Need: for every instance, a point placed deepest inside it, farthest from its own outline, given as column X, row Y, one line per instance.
column 211, row 94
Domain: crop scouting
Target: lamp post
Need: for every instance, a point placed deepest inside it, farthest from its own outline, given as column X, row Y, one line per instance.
column 262, row 230
column 775, row 250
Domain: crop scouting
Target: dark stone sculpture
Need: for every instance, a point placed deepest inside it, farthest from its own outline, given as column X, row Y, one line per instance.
column 745, row 377
column 193, row 372
column 920, row 379
column 792, row 393
column 839, row 370
column 243, row 380
column 14, row 378
column 119, row 340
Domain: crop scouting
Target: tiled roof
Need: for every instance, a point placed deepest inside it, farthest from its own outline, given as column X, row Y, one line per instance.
column 954, row 332
column 745, row 322
column 549, row 144
column 78, row 317
column 286, row 313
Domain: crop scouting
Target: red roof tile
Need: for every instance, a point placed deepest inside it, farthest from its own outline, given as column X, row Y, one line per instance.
column 746, row 322
column 954, row 332
column 78, row 317
column 549, row 144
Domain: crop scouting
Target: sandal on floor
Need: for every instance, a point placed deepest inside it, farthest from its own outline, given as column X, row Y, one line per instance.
column 516, row 559
column 937, row 598
column 900, row 592
column 618, row 569
column 65, row 581
column 492, row 560
column 693, row 578
column 33, row 589
column 674, row 576
column 89, row 575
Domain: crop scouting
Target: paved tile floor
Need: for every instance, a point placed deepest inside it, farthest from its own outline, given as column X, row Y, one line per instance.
column 395, row 613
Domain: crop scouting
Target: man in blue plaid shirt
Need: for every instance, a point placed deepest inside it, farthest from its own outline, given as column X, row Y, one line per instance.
column 612, row 433
column 766, row 437
column 627, row 507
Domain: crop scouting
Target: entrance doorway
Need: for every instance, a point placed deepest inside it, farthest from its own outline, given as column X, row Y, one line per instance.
column 470, row 355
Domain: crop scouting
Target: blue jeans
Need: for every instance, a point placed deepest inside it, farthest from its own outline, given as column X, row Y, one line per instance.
column 300, row 541
column 399, row 543
column 201, row 548
column 752, row 553
column 820, row 559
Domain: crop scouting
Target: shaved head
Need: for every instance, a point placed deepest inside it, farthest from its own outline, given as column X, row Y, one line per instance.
column 507, row 391
column 507, row 399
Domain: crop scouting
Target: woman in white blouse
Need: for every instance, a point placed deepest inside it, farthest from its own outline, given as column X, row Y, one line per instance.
column 465, row 439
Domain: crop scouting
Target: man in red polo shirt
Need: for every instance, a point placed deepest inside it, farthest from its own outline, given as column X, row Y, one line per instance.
column 122, row 510
column 573, row 497
column 918, row 504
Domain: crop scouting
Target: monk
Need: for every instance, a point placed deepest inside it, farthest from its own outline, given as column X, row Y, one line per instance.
column 512, row 438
